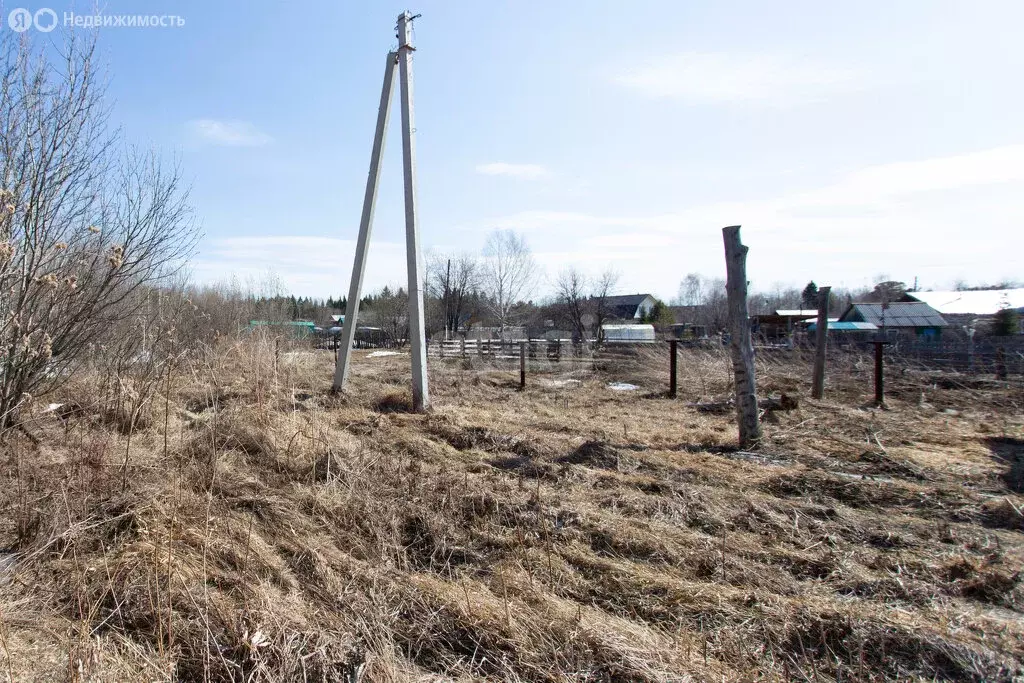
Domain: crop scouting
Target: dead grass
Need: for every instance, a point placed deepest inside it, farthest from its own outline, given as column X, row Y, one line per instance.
column 568, row 532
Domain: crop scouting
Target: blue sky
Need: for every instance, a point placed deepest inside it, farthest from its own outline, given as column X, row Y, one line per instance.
column 850, row 140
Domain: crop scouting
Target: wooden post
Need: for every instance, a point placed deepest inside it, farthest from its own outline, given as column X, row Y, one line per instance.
column 522, row 365
column 740, row 341
column 821, row 341
column 673, row 346
column 463, row 343
column 879, row 374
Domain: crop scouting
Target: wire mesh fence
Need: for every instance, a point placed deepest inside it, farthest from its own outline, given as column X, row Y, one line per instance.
column 704, row 368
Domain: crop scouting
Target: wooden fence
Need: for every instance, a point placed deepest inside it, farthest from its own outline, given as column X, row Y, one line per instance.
column 553, row 350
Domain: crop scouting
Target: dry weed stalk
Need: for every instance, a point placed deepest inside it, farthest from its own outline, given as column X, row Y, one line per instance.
column 272, row 531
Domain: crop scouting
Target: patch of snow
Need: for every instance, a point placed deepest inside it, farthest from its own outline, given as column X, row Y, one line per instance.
column 7, row 562
column 52, row 407
column 379, row 354
column 622, row 386
column 561, row 383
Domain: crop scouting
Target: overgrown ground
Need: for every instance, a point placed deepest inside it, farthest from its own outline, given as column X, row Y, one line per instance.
column 268, row 531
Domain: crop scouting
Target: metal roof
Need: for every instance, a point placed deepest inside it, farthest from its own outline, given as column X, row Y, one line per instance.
column 846, row 326
column 626, row 299
column 628, row 327
column 897, row 314
column 805, row 313
column 967, row 303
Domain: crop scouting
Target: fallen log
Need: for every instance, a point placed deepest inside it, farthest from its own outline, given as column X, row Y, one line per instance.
column 783, row 402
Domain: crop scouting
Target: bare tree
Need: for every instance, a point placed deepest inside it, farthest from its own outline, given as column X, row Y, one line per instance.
column 389, row 310
column 454, row 281
column 509, row 274
column 602, row 288
column 887, row 292
column 571, row 287
column 83, row 227
column 691, row 290
column 584, row 300
column 708, row 299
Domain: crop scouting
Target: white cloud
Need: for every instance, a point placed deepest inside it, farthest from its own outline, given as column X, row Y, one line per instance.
column 542, row 221
column 940, row 218
column 720, row 77
column 631, row 240
column 875, row 183
column 308, row 266
column 229, row 133
column 524, row 171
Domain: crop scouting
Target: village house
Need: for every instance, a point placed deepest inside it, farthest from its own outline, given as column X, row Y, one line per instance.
column 629, row 307
column 913, row 318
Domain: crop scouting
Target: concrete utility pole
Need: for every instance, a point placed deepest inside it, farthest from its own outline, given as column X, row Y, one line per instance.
column 420, row 394
column 740, row 340
column 348, row 328
column 417, row 331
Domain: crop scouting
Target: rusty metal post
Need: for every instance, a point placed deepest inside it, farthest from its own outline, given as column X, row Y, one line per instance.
column 821, row 342
column 879, row 374
column 673, row 346
column 522, row 365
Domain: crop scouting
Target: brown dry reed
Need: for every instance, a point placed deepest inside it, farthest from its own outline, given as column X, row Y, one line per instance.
column 261, row 529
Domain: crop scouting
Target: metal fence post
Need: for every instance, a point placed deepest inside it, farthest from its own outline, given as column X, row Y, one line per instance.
column 673, row 345
column 522, row 365
column 879, row 374
column 821, row 342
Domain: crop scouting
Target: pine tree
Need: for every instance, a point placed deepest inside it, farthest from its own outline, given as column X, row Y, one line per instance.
column 809, row 297
column 660, row 315
column 1006, row 322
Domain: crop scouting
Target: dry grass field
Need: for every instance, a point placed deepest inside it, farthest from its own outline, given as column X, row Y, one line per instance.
column 264, row 530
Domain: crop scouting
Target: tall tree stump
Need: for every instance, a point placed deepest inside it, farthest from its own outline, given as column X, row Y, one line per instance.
column 740, row 339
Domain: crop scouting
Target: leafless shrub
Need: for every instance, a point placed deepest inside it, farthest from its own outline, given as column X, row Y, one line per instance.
column 84, row 226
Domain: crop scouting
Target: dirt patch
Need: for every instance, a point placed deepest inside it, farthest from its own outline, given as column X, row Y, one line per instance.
column 393, row 403
column 600, row 455
column 484, row 439
column 1010, row 452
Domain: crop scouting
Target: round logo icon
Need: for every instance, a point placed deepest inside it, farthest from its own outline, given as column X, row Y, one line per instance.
column 20, row 19
column 45, row 20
